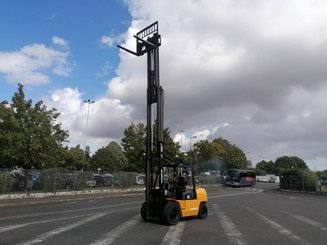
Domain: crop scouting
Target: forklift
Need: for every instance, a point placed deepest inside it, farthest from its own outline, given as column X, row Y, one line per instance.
column 170, row 192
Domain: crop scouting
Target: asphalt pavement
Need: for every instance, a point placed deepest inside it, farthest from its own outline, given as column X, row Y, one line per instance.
column 255, row 215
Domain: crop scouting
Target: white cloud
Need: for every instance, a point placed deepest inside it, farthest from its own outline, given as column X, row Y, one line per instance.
column 107, row 118
column 105, row 70
column 110, row 41
column 31, row 64
column 106, row 40
column 60, row 41
column 258, row 65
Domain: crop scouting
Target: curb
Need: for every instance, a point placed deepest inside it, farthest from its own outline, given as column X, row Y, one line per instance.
column 302, row 193
column 69, row 193
column 82, row 192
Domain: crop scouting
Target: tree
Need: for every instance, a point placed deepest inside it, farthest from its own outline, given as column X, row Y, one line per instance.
column 268, row 167
column 110, row 158
column 219, row 153
column 287, row 162
column 8, row 137
column 76, row 159
column 172, row 153
column 134, row 147
column 31, row 136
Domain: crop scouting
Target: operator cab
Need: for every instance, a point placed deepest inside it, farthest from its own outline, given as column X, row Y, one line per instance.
column 179, row 182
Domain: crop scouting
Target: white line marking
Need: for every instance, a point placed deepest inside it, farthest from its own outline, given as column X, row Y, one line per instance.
column 114, row 234
column 174, row 234
column 12, row 227
column 68, row 211
column 234, row 194
column 281, row 229
column 52, row 233
column 309, row 221
column 233, row 234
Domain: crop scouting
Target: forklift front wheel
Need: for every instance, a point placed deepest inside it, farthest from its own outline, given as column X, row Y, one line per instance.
column 171, row 214
column 203, row 211
column 143, row 211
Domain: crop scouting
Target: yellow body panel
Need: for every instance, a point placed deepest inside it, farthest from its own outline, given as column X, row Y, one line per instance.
column 191, row 207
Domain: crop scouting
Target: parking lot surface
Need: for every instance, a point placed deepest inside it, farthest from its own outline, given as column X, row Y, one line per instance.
column 255, row 215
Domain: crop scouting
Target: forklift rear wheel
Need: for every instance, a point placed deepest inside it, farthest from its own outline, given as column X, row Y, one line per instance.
column 203, row 211
column 143, row 211
column 171, row 214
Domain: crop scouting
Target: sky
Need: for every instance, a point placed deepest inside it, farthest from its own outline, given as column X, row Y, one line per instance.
column 250, row 71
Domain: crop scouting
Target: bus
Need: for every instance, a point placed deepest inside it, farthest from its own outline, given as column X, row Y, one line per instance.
column 239, row 177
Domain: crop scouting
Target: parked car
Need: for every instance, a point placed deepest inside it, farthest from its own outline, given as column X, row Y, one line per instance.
column 18, row 177
column 105, row 180
column 140, row 179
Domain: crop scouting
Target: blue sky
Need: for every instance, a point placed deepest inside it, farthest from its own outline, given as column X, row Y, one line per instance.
column 81, row 24
column 253, row 72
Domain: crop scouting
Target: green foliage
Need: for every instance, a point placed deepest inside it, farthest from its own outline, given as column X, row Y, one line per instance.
column 110, row 158
column 6, row 182
column 75, row 159
column 9, row 136
column 260, row 172
column 30, row 135
column 298, row 179
column 287, row 162
column 265, row 166
column 171, row 149
column 134, row 146
column 221, row 150
column 322, row 173
column 310, row 181
column 210, row 165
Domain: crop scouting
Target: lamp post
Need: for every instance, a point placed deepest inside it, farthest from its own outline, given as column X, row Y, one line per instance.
column 89, row 102
column 193, row 137
column 181, row 131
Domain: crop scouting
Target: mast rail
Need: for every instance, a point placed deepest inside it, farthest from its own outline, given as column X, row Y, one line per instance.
column 148, row 30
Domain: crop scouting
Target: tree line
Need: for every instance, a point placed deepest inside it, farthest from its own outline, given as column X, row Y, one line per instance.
column 31, row 136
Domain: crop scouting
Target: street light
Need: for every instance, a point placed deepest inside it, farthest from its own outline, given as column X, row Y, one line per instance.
column 193, row 137
column 181, row 132
column 89, row 102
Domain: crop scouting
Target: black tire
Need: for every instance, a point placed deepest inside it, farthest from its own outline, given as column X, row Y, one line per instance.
column 143, row 211
column 203, row 211
column 171, row 214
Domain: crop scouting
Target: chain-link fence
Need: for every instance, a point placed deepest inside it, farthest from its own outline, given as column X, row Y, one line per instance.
column 307, row 182
column 21, row 180
column 322, row 184
column 51, row 180
column 298, row 183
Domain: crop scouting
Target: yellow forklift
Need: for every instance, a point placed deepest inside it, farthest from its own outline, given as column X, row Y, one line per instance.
column 178, row 197
column 170, row 192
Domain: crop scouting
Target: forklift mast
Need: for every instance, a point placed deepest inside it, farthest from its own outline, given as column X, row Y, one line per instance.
column 148, row 41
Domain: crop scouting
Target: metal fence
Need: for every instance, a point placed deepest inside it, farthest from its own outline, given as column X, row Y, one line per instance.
column 52, row 180
column 304, row 183
column 21, row 180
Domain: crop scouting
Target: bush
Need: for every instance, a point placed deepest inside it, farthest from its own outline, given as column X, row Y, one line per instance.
column 6, row 182
column 296, row 179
